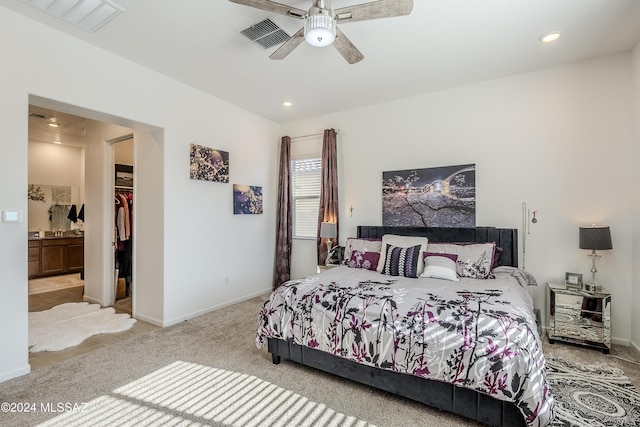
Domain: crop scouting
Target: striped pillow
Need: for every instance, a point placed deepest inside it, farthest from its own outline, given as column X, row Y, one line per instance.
column 440, row 266
column 401, row 261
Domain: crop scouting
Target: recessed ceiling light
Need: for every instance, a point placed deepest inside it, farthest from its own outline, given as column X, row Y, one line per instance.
column 57, row 142
column 549, row 37
column 287, row 104
column 53, row 124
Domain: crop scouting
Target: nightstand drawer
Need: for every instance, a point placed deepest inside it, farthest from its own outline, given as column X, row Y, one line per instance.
column 568, row 301
column 581, row 332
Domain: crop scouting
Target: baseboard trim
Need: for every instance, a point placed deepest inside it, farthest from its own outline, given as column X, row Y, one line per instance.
column 6, row 376
column 151, row 320
column 634, row 345
column 620, row 341
column 214, row 308
column 91, row 300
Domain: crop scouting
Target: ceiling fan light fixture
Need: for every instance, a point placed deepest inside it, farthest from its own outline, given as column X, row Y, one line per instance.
column 319, row 27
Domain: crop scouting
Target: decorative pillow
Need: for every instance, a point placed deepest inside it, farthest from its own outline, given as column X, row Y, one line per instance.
column 474, row 260
column 366, row 249
column 496, row 257
column 368, row 260
column 440, row 266
column 402, row 261
column 336, row 256
column 402, row 242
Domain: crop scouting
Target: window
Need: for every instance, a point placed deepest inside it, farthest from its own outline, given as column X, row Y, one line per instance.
column 306, row 179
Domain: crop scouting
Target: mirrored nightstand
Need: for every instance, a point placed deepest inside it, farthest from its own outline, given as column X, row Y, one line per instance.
column 326, row 267
column 579, row 317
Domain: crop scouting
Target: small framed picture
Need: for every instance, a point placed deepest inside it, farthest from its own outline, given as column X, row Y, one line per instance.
column 573, row 280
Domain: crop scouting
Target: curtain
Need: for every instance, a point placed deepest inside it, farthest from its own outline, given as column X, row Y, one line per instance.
column 282, row 271
column 328, row 211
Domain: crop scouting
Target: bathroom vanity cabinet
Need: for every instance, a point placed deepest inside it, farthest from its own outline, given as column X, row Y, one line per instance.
column 51, row 256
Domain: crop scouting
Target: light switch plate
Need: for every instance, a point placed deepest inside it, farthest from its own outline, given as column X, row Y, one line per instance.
column 11, row 216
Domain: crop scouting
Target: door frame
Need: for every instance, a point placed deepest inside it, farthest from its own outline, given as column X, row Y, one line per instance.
column 148, row 278
column 109, row 292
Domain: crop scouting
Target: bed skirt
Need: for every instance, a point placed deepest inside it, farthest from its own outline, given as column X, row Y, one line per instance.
column 437, row 394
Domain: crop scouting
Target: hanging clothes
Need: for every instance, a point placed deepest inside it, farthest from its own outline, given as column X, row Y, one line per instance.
column 123, row 221
column 123, row 233
column 73, row 215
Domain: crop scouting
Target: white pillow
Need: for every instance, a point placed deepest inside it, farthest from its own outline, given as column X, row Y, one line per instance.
column 440, row 266
column 402, row 242
column 474, row 260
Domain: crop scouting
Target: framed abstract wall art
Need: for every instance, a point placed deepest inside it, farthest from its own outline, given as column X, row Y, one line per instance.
column 431, row 197
column 247, row 200
column 208, row 164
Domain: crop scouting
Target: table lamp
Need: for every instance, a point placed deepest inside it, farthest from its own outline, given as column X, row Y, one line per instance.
column 594, row 238
column 328, row 230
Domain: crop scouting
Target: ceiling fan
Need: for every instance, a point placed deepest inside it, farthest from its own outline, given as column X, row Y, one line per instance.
column 320, row 22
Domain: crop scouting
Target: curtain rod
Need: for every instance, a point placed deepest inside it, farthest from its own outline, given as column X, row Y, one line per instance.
column 311, row 135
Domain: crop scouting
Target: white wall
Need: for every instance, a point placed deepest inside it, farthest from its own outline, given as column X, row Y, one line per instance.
column 99, row 211
column 53, row 165
column 558, row 139
column 123, row 152
column 204, row 248
column 635, row 261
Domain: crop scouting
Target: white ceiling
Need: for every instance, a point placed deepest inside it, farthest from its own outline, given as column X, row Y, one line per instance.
column 443, row 43
column 70, row 129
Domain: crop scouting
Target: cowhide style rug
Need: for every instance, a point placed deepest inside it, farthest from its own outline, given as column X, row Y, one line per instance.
column 67, row 325
column 596, row 395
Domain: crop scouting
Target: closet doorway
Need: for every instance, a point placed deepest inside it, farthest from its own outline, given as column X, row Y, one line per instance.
column 124, row 233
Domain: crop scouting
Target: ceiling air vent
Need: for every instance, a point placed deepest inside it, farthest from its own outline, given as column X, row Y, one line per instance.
column 90, row 15
column 266, row 33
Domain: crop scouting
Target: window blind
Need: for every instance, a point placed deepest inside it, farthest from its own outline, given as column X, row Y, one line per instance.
column 306, row 181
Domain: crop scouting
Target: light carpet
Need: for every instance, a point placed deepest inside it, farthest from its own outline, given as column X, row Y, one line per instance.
column 225, row 339
column 69, row 324
column 189, row 394
column 595, row 395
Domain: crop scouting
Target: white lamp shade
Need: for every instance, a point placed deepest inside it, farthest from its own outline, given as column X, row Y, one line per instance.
column 328, row 230
column 319, row 30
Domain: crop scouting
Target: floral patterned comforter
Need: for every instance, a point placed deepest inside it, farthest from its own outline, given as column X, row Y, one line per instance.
column 478, row 334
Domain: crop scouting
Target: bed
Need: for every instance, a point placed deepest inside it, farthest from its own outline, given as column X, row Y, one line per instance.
column 464, row 342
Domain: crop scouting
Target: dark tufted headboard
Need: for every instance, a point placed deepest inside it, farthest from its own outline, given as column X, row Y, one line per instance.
column 506, row 238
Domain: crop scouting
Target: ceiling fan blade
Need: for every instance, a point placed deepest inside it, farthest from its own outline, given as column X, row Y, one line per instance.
column 373, row 10
column 289, row 45
column 271, row 6
column 346, row 48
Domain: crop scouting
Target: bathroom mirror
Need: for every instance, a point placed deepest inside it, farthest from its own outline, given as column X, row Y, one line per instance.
column 49, row 207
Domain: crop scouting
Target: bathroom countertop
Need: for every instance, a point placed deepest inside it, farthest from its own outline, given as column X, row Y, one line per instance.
column 67, row 236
